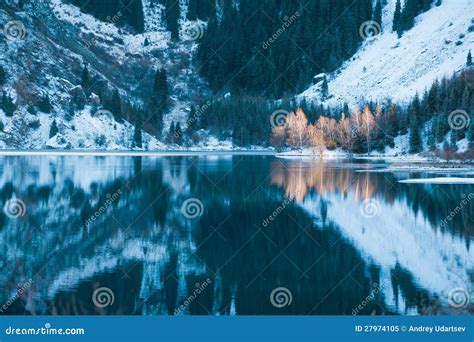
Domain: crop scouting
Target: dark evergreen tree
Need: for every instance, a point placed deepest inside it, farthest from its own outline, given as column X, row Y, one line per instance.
column 415, row 135
column 324, row 89
column 137, row 134
column 53, row 130
column 85, row 79
column 396, row 16
column 378, row 12
column 7, row 105
column 44, row 104
column 115, row 106
column 178, row 134
column 172, row 17
column 3, row 76
column 171, row 133
column 192, row 10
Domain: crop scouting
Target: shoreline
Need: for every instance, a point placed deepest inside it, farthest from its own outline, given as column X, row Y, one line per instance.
column 401, row 159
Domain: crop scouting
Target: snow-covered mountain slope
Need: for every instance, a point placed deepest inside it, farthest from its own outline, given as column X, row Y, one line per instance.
column 390, row 67
column 55, row 41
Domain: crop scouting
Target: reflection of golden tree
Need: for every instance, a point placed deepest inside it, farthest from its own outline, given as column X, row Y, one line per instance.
column 300, row 177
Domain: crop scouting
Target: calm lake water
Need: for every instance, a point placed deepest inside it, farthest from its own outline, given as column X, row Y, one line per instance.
column 244, row 235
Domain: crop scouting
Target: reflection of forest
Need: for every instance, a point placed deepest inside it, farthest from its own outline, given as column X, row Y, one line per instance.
column 436, row 202
column 144, row 249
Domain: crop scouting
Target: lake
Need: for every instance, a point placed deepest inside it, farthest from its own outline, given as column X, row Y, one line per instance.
column 230, row 235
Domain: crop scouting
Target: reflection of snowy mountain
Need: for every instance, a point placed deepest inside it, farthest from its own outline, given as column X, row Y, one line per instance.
column 395, row 235
column 152, row 256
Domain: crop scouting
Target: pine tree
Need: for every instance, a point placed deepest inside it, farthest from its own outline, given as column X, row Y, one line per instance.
column 115, row 106
column 7, row 105
column 53, row 130
column 85, row 79
column 178, row 134
column 378, row 13
column 3, row 76
column 171, row 133
column 44, row 104
column 172, row 17
column 192, row 10
column 396, row 17
column 468, row 62
column 415, row 135
column 324, row 89
column 137, row 134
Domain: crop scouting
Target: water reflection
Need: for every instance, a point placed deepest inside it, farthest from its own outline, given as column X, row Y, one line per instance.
column 320, row 245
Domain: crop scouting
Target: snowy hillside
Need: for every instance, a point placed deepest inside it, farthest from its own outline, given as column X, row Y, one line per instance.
column 51, row 42
column 45, row 60
column 390, row 67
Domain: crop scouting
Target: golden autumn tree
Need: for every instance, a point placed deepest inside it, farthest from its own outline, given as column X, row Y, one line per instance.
column 297, row 125
column 316, row 139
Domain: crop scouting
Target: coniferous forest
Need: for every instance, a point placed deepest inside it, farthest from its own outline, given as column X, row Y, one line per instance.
column 256, row 57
